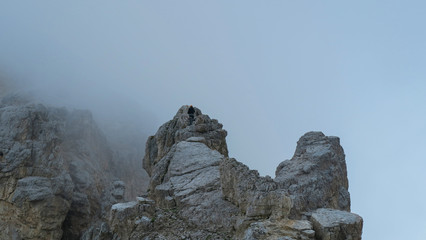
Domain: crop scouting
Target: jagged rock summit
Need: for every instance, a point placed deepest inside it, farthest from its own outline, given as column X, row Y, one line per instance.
column 203, row 129
column 197, row 192
column 56, row 183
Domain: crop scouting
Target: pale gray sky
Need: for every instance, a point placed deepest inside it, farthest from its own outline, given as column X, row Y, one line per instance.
column 268, row 70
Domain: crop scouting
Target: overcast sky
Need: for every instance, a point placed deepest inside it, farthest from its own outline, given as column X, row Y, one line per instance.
column 268, row 70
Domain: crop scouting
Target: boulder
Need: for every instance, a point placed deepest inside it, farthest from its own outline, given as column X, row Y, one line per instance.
column 316, row 176
column 125, row 217
column 118, row 191
column 331, row 224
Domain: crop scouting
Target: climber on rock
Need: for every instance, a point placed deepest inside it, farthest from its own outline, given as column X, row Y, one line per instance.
column 191, row 112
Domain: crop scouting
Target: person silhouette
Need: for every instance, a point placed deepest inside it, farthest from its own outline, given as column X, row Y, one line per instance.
column 191, row 112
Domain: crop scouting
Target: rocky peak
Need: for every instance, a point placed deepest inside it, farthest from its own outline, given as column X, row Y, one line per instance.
column 203, row 128
column 191, row 172
column 56, row 183
column 316, row 176
column 317, row 143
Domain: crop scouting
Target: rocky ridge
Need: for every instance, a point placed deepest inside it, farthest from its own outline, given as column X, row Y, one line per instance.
column 55, row 174
column 213, row 196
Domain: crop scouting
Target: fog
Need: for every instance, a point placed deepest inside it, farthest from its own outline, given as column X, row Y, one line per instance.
column 269, row 71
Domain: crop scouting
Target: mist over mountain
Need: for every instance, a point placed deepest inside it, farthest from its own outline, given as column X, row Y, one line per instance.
column 124, row 124
column 269, row 71
column 62, row 177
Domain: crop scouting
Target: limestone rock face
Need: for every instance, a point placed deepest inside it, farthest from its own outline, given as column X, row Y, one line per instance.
column 283, row 229
column 125, row 218
column 179, row 129
column 56, row 183
column 209, row 196
column 183, row 161
column 188, row 178
column 142, row 219
column 316, row 176
column 55, row 171
column 35, row 188
column 330, row 224
column 254, row 195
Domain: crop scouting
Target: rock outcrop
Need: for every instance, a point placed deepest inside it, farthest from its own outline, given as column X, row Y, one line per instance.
column 187, row 175
column 56, row 183
column 179, row 129
column 56, row 171
column 336, row 224
column 316, row 176
column 211, row 195
column 36, row 190
column 255, row 196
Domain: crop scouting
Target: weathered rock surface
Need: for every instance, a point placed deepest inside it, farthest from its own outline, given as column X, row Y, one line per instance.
column 36, row 190
column 56, row 183
column 256, row 197
column 330, row 224
column 188, row 178
column 55, row 171
column 179, row 129
column 316, row 176
column 129, row 217
column 211, row 193
column 141, row 219
column 283, row 229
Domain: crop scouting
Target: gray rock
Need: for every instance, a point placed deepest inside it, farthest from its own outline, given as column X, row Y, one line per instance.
column 32, row 189
column 330, row 224
column 254, row 195
column 97, row 231
column 179, row 129
column 196, row 139
column 118, row 190
column 55, row 171
column 41, row 202
column 125, row 218
column 188, row 178
column 56, row 182
column 185, row 171
column 256, row 231
column 35, row 189
column 316, row 176
column 145, row 200
column 279, row 229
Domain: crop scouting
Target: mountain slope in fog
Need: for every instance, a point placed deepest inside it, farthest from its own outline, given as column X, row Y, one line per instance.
column 61, row 177
column 58, row 172
column 197, row 192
